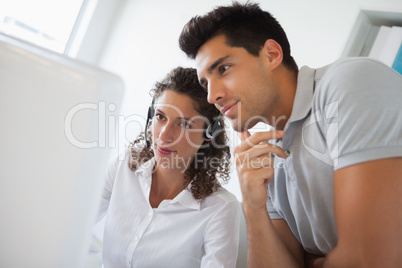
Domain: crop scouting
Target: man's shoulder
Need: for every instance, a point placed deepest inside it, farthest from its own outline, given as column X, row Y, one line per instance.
column 349, row 76
column 355, row 68
column 357, row 61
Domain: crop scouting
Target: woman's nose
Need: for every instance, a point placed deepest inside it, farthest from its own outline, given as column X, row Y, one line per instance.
column 167, row 133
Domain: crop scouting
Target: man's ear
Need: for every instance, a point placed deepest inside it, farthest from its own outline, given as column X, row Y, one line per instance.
column 273, row 52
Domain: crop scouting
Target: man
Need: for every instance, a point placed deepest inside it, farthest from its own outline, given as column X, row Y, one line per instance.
column 332, row 196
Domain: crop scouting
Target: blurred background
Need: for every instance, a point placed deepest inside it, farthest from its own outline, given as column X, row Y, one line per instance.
column 138, row 39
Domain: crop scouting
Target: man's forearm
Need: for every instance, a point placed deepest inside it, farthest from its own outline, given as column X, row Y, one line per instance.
column 265, row 246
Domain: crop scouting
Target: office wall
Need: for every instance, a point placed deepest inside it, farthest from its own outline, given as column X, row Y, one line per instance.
column 142, row 43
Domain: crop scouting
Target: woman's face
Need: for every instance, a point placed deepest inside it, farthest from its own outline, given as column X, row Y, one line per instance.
column 177, row 130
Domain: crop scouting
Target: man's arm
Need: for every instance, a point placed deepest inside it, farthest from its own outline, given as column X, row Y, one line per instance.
column 368, row 202
column 270, row 243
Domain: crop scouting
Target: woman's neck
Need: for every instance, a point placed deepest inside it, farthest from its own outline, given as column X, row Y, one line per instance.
column 166, row 184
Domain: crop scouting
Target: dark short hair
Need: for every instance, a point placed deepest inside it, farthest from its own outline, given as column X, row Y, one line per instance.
column 243, row 25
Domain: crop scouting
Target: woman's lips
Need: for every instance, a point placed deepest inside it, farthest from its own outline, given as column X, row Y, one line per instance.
column 164, row 151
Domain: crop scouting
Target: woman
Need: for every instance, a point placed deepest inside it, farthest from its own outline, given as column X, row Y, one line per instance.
column 166, row 208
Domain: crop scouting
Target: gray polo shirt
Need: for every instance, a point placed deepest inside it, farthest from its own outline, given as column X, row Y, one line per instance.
column 343, row 114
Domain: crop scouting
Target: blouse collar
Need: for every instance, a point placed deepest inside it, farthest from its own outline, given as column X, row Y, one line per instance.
column 185, row 197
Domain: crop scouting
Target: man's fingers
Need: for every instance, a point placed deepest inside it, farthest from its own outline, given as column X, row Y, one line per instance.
column 249, row 141
column 265, row 149
column 244, row 135
column 262, row 162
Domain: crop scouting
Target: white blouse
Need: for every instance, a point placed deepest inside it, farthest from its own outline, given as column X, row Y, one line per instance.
column 179, row 233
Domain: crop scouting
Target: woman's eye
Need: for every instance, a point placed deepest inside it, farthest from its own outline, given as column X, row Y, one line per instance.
column 159, row 117
column 185, row 124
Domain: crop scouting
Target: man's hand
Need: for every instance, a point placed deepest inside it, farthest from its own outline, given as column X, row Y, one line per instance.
column 270, row 243
column 254, row 164
column 313, row 261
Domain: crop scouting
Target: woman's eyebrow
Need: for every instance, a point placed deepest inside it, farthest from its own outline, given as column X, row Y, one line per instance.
column 179, row 117
column 184, row 118
column 159, row 111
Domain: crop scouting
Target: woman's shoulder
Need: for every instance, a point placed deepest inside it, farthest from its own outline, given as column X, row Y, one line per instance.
column 220, row 197
column 120, row 158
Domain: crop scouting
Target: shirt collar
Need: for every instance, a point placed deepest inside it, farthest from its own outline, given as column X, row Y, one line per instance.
column 146, row 169
column 304, row 95
column 185, row 197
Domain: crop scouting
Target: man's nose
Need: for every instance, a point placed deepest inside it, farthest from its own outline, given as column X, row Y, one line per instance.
column 216, row 92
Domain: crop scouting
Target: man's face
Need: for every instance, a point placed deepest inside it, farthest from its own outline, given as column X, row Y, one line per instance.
column 238, row 83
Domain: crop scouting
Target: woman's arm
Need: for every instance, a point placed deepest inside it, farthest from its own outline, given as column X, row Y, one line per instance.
column 221, row 238
column 107, row 189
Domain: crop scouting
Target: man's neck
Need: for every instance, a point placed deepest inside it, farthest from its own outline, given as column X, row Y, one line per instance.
column 287, row 82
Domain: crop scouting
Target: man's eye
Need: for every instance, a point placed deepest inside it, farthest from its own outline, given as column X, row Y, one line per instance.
column 223, row 68
column 203, row 84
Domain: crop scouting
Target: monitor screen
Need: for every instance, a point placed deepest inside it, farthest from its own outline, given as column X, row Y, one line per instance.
column 57, row 133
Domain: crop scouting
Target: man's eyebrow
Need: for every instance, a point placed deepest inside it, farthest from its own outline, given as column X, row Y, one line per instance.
column 216, row 63
column 211, row 69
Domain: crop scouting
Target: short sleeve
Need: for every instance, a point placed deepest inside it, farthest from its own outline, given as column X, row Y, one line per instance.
column 359, row 102
column 273, row 214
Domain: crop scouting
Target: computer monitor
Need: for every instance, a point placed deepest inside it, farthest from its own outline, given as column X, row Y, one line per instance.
column 58, row 119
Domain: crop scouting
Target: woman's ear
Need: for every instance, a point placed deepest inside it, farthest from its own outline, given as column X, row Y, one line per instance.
column 273, row 52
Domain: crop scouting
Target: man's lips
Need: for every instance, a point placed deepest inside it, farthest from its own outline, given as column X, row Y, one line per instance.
column 228, row 109
column 164, row 151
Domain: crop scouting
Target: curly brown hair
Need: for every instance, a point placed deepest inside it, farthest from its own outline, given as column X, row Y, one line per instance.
column 215, row 154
